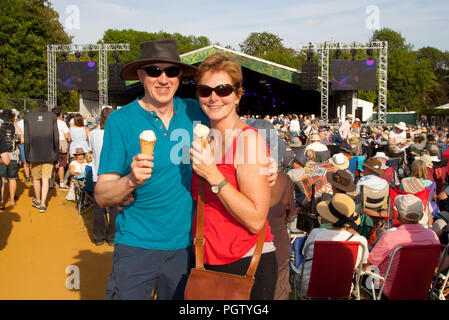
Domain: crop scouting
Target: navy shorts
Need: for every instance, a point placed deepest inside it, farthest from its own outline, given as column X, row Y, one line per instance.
column 10, row 171
column 135, row 270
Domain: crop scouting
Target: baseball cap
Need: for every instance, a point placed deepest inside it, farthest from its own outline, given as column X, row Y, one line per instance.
column 409, row 207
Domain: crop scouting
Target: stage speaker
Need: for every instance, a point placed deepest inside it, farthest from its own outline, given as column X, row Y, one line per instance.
column 310, row 76
column 116, row 83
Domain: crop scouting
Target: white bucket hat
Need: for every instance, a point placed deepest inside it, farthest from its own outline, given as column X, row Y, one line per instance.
column 339, row 161
column 381, row 155
column 401, row 126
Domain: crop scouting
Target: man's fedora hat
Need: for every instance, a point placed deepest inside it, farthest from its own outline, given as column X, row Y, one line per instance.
column 161, row 50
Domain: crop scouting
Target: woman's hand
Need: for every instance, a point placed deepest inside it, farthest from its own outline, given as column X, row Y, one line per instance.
column 126, row 201
column 203, row 163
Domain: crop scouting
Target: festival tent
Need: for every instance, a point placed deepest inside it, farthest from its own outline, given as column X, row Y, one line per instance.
column 443, row 107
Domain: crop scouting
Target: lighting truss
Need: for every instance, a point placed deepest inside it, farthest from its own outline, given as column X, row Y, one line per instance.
column 102, row 48
column 323, row 48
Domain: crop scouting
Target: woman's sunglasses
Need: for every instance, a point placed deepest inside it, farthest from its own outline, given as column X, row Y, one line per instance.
column 222, row 90
column 155, row 71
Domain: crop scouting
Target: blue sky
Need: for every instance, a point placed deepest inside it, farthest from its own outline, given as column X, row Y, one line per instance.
column 422, row 23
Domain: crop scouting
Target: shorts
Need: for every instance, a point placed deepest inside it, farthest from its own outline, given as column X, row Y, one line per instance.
column 41, row 170
column 63, row 160
column 9, row 171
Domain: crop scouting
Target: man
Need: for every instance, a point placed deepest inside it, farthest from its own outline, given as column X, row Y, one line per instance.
column 371, row 172
column 42, row 150
column 64, row 140
column 397, row 138
column 294, row 126
column 315, row 144
column 345, row 128
column 10, row 172
column 410, row 232
column 25, row 163
column 153, row 232
column 104, row 227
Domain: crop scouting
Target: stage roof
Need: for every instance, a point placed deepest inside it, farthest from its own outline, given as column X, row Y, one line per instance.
column 262, row 66
column 266, row 67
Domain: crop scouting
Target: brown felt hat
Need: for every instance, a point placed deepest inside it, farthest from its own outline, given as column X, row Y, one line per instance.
column 341, row 180
column 374, row 165
column 161, row 50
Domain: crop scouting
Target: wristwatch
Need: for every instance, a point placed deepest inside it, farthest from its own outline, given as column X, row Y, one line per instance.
column 215, row 188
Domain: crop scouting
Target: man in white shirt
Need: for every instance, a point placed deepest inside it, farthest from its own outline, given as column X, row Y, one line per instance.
column 397, row 138
column 315, row 144
column 346, row 127
column 294, row 125
column 371, row 172
column 64, row 140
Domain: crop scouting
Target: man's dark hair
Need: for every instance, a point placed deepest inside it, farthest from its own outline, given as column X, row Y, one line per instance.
column 42, row 107
column 57, row 111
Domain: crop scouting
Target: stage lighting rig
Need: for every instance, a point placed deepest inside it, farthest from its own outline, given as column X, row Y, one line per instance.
column 91, row 55
column 77, row 56
column 353, row 53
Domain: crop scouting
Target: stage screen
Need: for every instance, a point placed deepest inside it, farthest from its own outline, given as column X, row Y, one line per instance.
column 354, row 75
column 77, row 76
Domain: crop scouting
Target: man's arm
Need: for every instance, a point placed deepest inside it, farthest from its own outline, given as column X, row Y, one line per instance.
column 111, row 189
column 5, row 158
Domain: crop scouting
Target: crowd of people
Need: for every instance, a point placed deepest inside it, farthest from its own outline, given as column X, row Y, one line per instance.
column 317, row 180
column 77, row 153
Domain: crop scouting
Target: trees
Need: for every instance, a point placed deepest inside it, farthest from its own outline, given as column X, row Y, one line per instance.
column 269, row 46
column 26, row 28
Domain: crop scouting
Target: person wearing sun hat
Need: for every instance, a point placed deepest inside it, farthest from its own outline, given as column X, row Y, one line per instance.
column 340, row 212
column 371, row 172
column 315, row 144
column 397, row 138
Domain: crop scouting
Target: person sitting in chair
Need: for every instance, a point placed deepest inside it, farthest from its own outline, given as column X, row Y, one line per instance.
column 410, row 232
column 371, row 172
column 340, row 212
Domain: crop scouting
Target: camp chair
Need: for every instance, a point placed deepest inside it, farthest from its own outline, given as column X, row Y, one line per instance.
column 353, row 164
column 81, row 194
column 332, row 273
column 438, row 290
column 424, row 196
column 416, row 266
column 376, row 200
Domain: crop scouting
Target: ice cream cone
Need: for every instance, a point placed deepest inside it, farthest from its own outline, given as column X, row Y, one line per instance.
column 147, row 142
column 200, row 134
column 147, row 147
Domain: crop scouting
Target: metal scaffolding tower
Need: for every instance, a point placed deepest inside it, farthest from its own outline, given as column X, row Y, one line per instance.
column 103, row 49
column 323, row 48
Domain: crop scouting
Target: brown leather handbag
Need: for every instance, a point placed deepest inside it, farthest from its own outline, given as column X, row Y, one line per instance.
column 211, row 285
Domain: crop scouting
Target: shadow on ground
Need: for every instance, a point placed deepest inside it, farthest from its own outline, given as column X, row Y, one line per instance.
column 7, row 218
column 94, row 269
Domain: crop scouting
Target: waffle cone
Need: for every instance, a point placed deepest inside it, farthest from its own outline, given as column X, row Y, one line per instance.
column 201, row 140
column 147, row 147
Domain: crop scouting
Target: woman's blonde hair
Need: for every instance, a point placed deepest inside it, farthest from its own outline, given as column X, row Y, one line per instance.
column 310, row 154
column 419, row 170
column 89, row 157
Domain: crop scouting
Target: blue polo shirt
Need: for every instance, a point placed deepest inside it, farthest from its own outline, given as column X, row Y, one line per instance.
column 160, row 218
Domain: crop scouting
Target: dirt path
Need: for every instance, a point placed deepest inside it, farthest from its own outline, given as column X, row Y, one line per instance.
column 37, row 248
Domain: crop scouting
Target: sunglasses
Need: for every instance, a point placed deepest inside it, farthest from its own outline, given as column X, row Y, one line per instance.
column 222, row 90
column 155, row 71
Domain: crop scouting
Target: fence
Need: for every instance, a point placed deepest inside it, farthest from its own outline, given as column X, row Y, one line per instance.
column 20, row 104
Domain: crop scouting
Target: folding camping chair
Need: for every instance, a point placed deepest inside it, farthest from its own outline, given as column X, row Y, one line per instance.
column 333, row 270
column 416, row 265
column 439, row 291
column 83, row 197
column 425, row 196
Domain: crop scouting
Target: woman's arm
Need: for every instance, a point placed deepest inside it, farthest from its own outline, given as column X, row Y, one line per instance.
column 250, row 204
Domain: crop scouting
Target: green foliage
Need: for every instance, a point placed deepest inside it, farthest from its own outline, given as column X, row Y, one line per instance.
column 26, row 28
column 135, row 38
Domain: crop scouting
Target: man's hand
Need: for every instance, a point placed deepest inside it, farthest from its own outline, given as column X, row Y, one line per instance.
column 141, row 169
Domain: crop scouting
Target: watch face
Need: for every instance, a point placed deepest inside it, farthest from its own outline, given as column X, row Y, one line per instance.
column 215, row 189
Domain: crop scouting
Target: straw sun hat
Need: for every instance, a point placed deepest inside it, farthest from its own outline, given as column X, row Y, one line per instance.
column 340, row 211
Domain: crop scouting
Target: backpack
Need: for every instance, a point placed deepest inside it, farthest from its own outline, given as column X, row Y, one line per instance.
column 9, row 131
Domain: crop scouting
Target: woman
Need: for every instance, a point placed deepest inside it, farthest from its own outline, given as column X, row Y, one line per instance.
column 419, row 178
column 79, row 135
column 343, row 229
column 237, row 211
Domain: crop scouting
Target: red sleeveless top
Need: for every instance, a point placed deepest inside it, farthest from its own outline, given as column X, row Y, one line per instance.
column 226, row 239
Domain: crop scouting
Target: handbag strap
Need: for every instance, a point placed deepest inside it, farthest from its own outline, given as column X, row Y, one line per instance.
column 198, row 241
